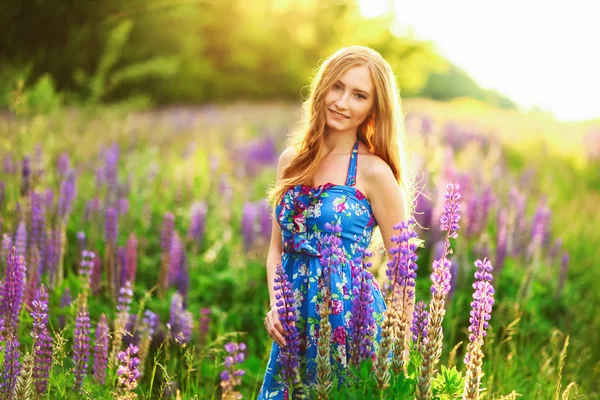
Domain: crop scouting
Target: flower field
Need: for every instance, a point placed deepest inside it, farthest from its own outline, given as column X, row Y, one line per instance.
column 134, row 248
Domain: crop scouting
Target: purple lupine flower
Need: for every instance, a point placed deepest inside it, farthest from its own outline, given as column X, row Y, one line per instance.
column 501, row 239
column 182, row 280
column 67, row 194
column 197, row 222
column 225, row 190
column 86, row 266
column 287, row 316
column 37, row 222
column 562, row 275
column 175, row 258
column 125, row 297
column 111, row 169
column 248, row 224
column 166, row 240
column 204, row 325
column 264, row 219
column 540, row 227
column 21, row 239
column 9, row 164
column 232, row 377
column 81, row 240
column 110, row 233
column 402, row 273
column 472, row 216
column 25, row 175
column 65, row 303
column 483, row 301
column 426, row 125
column 121, row 267
column 12, row 368
column 440, row 278
column 101, row 350
column 420, row 325
column 362, row 326
column 13, row 291
column 123, row 205
column 128, row 372
column 133, row 329
column 424, row 210
column 100, row 177
column 81, row 345
column 181, row 321
column 6, row 246
column 96, row 281
column 49, row 200
column 131, row 258
column 42, row 342
column 451, row 211
column 63, row 164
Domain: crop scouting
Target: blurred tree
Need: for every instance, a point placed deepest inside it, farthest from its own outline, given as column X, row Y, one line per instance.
column 221, row 50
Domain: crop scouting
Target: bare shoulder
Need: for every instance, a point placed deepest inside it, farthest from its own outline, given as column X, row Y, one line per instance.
column 375, row 170
column 287, row 156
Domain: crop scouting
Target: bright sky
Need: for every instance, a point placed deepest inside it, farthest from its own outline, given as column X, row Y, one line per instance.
column 535, row 52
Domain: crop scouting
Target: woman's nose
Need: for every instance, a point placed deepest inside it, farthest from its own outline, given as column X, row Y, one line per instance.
column 341, row 102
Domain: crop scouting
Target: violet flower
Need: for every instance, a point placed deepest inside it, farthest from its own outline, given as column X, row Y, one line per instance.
column 128, row 372
column 81, row 345
column 131, row 258
column 419, row 327
column 288, row 358
column 483, row 301
column 67, row 195
column 37, row 222
column 101, row 350
column 166, row 240
column 13, row 292
column 63, row 164
column 232, row 377
column 362, row 328
column 248, row 224
column 175, row 258
column 85, row 270
column 440, row 278
column 65, row 303
column 197, row 222
column 25, row 175
column 42, row 342
column 181, row 321
column 6, row 246
column 12, row 368
column 21, row 240
column 81, row 240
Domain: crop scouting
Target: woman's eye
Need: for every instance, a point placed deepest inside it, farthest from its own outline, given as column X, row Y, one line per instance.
column 336, row 86
column 361, row 96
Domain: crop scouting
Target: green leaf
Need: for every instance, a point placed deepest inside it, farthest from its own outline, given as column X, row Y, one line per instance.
column 448, row 384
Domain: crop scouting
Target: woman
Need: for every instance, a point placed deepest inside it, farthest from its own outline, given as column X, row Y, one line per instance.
column 345, row 167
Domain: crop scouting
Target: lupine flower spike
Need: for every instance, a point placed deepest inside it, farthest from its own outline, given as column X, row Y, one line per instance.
column 128, row 373
column 331, row 257
column 232, row 377
column 481, row 309
column 439, row 289
column 288, row 358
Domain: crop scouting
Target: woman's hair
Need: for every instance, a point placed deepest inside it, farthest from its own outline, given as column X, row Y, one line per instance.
column 382, row 131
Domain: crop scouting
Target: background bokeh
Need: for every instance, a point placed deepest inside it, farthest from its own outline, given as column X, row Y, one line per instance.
column 172, row 115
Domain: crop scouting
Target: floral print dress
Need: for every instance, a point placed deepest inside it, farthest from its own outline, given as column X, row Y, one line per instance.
column 302, row 214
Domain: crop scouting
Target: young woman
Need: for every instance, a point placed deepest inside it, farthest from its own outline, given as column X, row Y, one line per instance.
column 346, row 167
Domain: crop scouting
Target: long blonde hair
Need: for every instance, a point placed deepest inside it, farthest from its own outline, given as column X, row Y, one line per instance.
column 382, row 132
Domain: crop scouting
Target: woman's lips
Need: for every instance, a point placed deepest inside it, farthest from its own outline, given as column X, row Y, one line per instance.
column 338, row 115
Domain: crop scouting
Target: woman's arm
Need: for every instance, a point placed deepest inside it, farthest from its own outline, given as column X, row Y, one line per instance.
column 388, row 202
column 275, row 248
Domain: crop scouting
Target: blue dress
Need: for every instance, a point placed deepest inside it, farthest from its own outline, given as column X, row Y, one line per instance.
column 302, row 214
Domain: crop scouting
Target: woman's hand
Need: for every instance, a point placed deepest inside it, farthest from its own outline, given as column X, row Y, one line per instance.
column 274, row 327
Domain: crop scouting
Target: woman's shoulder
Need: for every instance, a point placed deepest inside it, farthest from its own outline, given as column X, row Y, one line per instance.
column 372, row 166
column 287, row 155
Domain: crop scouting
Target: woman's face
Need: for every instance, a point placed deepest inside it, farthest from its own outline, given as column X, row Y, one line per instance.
column 349, row 101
